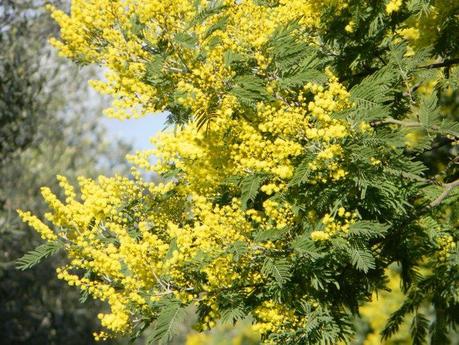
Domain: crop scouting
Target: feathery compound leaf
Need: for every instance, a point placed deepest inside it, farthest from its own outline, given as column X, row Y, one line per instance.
column 283, row 38
column 368, row 229
column 237, row 249
column 301, row 173
column 208, row 12
column 278, row 269
column 186, row 40
column 362, row 259
column 270, row 234
column 171, row 314
column 249, row 188
column 249, row 89
column 419, row 329
column 305, row 245
column 289, row 51
column 374, row 89
column 230, row 57
column 428, row 111
column 301, row 78
column 413, row 300
column 154, row 70
column 38, row 254
column 321, row 328
column 233, row 314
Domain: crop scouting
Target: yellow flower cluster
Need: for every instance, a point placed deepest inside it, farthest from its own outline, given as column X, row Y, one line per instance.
column 447, row 245
column 274, row 317
column 45, row 232
column 350, row 27
column 98, row 239
column 330, row 226
column 279, row 214
column 131, row 235
column 422, row 29
column 270, row 143
column 393, row 6
column 131, row 242
column 444, row 241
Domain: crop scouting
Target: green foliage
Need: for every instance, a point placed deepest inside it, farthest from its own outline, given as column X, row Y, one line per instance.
column 279, row 269
column 249, row 188
column 233, row 314
column 373, row 91
column 419, row 328
column 249, row 89
column 362, row 259
column 302, row 172
column 367, row 230
column 171, row 314
column 40, row 253
column 208, row 12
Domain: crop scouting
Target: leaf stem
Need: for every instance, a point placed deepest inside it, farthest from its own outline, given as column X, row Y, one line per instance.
column 447, row 188
column 413, row 124
column 446, row 63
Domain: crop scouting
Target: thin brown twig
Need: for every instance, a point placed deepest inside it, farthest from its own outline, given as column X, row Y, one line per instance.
column 446, row 63
column 447, row 188
column 396, row 122
column 412, row 124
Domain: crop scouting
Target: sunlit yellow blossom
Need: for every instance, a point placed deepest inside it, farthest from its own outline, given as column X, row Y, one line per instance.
column 45, row 232
column 393, row 6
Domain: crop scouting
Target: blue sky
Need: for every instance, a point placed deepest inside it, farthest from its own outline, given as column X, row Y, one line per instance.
column 136, row 131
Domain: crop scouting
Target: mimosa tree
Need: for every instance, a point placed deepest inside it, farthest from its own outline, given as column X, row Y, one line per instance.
column 312, row 147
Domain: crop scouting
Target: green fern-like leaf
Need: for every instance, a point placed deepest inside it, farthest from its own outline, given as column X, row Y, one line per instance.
column 374, row 89
column 305, row 246
column 237, row 249
column 231, row 57
column 171, row 314
column 301, row 78
column 249, row 188
column 278, row 269
column 428, row 112
column 301, row 173
column 233, row 314
column 368, row 229
column 38, row 254
column 419, row 329
column 412, row 301
column 270, row 234
column 250, row 89
column 208, row 12
column 185, row 40
column 289, row 53
column 362, row 259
